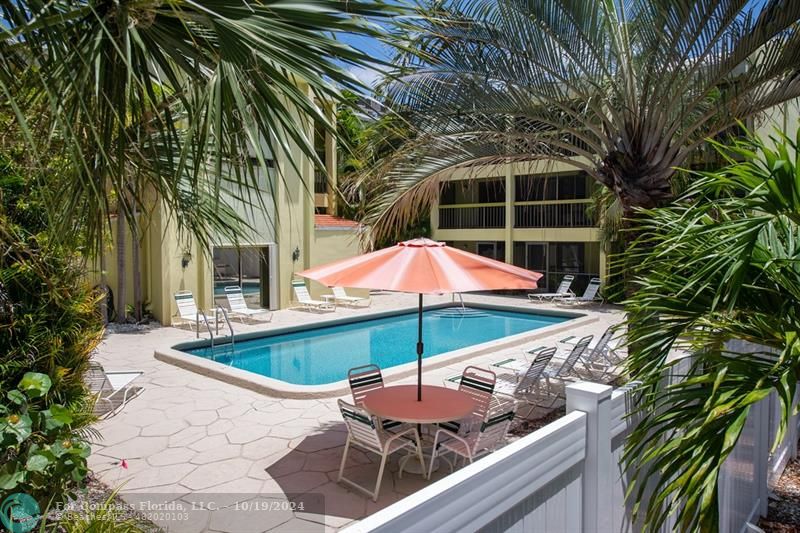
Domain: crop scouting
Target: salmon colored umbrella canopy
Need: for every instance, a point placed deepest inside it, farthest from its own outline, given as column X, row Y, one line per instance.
column 423, row 266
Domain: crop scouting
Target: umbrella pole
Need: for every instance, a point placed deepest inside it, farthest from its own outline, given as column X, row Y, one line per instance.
column 420, row 349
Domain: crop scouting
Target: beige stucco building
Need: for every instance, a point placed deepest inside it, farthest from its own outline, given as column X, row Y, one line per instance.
column 295, row 230
column 534, row 215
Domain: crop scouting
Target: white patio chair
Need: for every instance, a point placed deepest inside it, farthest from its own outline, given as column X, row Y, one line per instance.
column 482, row 440
column 363, row 431
column 591, row 294
column 188, row 312
column 340, row 296
column 238, row 305
column 305, row 300
column 479, row 384
column 562, row 290
column 363, row 380
column 112, row 390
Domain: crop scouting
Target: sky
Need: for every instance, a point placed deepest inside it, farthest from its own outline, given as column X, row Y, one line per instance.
column 375, row 49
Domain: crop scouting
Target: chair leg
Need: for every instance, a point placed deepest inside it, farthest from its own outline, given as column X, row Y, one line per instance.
column 380, row 477
column 344, row 458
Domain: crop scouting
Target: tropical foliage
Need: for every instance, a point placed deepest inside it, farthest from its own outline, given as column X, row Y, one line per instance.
column 624, row 91
column 365, row 140
column 173, row 100
column 175, row 96
column 49, row 328
column 40, row 452
column 723, row 263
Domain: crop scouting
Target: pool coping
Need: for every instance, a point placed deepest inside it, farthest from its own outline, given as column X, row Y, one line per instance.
column 282, row 389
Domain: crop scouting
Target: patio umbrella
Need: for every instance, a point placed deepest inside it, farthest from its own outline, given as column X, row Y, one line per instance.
column 422, row 266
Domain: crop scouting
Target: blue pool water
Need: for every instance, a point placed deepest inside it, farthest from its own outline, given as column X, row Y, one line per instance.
column 317, row 356
column 248, row 287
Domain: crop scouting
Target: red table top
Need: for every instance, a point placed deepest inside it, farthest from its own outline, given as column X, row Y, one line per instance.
column 438, row 404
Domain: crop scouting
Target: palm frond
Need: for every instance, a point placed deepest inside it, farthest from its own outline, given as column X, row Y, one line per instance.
column 178, row 96
column 626, row 91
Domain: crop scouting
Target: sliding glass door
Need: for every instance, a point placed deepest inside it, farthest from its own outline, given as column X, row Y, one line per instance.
column 246, row 267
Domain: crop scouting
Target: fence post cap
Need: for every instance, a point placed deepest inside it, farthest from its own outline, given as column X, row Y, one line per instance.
column 587, row 388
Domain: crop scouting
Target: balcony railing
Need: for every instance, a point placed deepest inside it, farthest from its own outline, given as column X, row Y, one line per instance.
column 474, row 217
column 556, row 214
column 565, row 214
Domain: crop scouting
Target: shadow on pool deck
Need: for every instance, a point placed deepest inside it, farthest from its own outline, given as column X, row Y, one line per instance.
column 311, row 469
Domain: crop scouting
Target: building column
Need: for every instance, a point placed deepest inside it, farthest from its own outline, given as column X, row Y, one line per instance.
column 331, row 165
column 509, row 229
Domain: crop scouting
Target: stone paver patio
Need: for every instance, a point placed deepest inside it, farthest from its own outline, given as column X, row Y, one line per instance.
column 242, row 461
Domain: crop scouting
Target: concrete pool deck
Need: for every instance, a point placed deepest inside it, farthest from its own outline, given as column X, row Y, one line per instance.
column 188, row 436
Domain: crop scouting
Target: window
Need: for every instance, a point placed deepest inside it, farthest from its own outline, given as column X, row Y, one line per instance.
column 485, row 191
column 537, row 188
column 491, row 191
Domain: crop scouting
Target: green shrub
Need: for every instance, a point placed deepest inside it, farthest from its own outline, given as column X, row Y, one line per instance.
column 105, row 518
column 49, row 327
column 41, row 455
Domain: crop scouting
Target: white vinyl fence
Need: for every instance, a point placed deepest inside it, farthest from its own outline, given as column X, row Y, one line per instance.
column 567, row 476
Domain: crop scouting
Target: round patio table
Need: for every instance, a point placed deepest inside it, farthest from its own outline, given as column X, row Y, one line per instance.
column 399, row 402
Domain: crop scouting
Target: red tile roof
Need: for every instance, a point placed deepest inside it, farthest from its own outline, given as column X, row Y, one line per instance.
column 330, row 221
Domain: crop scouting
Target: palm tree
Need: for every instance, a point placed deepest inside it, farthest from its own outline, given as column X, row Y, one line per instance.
column 182, row 98
column 624, row 91
column 722, row 263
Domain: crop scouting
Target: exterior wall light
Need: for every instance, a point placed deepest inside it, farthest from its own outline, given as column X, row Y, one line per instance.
column 186, row 259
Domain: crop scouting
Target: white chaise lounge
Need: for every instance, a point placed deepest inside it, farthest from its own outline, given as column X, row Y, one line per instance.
column 341, row 297
column 238, row 305
column 305, row 300
column 188, row 312
column 563, row 290
column 591, row 294
column 112, row 390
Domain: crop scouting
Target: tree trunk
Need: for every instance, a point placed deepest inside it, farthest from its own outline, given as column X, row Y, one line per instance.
column 137, row 271
column 121, row 274
column 103, row 281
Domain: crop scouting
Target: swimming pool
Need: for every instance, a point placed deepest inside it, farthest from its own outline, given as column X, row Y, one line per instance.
column 322, row 355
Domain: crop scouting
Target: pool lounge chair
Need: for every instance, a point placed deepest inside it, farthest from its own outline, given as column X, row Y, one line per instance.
column 595, row 365
column 340, row 297
column 563, row 290
column 305, row 300
column 238, row 305
column 525, row 388
column 112, row 390
column 363, row 431
column 608, row 347
column 590, row 295
column 188, row 312
column 553, row 389
column 484, row 439
column 520, row 365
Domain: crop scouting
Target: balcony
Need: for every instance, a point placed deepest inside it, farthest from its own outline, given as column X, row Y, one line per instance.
column 550, row 214
column 486, row 216
column 560, row 214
